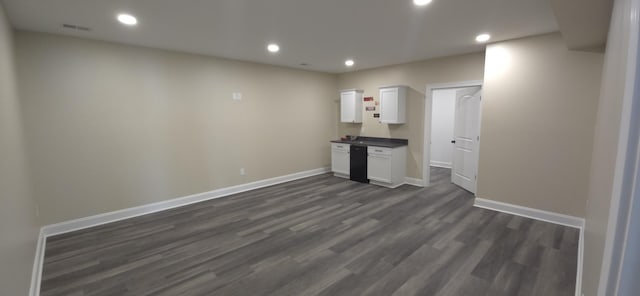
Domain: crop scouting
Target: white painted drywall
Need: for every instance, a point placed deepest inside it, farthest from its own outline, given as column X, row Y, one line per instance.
column 538, row 113
column 18, row 222
column 444, row 104
column 113, row 126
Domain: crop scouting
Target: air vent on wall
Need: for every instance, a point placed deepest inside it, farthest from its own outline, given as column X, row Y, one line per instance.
column 77, row 28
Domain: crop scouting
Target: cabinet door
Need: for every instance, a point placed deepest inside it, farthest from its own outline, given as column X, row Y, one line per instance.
column 379, row 168
column 389, row 105
column 348, row 107
column 340, row 161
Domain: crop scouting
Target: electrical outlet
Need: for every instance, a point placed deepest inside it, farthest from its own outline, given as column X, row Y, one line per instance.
column 237, row 96
column 242, row 172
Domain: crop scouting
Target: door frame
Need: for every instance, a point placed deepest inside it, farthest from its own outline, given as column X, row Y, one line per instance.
column 622, row 242
column 428, row 118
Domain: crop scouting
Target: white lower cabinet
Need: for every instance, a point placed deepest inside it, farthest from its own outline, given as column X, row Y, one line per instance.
column 340, row 159
column 379, row 165
column 386, row 166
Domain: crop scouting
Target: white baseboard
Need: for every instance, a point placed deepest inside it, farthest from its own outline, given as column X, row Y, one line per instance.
column 91, row 221
column 580, row 263
column 532, row 213
column 441, row 164
column 546, row 216
column 115, row 216
column 36, row 272
column 413, row 181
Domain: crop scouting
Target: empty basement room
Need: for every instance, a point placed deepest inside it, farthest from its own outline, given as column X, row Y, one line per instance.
column 336, row 147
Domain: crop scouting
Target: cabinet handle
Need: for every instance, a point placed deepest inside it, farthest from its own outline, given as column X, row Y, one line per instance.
column 378, row 150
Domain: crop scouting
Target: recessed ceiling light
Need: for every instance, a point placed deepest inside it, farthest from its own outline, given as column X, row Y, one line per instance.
column 273, row 47
column 421, row 2
column 127, row 19
column 349, row 63
column 483, row 37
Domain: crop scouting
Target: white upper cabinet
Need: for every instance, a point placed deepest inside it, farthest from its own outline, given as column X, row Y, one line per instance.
column 351, row 106
column 393, row 102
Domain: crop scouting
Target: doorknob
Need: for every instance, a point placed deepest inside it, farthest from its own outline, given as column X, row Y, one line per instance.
column 453, row 141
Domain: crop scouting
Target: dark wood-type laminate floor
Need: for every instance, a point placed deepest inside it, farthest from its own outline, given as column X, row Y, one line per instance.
column 319, row 236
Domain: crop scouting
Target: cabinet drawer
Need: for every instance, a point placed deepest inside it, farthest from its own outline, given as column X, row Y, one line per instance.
column 379, row 150
column 340, row 147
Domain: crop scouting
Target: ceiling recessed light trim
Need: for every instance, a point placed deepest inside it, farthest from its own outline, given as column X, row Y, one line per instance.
column 483, row 38
column 421, row 2
column 349, row 63
column 272, row 47
column 127, row 19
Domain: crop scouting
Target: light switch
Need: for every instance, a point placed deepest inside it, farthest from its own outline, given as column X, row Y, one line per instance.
column 237, row 96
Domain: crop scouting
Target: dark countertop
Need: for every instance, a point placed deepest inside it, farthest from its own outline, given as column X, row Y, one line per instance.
column 371, row 141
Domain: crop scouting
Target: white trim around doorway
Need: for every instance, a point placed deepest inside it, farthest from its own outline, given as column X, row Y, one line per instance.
column 428, row 108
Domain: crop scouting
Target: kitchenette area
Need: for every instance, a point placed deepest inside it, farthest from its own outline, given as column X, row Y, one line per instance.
column 379, row 161
column 375, row 160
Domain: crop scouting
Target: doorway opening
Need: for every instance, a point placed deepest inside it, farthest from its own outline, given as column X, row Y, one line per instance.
column 452, row 131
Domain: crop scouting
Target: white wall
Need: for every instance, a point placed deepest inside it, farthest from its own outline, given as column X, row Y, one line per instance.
column 443, row 120
column 113, row 126
column 538, row 113
column 18, row 222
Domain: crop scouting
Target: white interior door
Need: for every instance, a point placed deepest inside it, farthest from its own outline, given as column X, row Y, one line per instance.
column 466, row 137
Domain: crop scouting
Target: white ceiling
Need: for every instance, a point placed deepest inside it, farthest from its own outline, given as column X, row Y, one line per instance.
column 322, row 33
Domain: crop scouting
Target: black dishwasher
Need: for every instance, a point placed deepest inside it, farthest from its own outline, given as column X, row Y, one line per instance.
column 358, row 161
